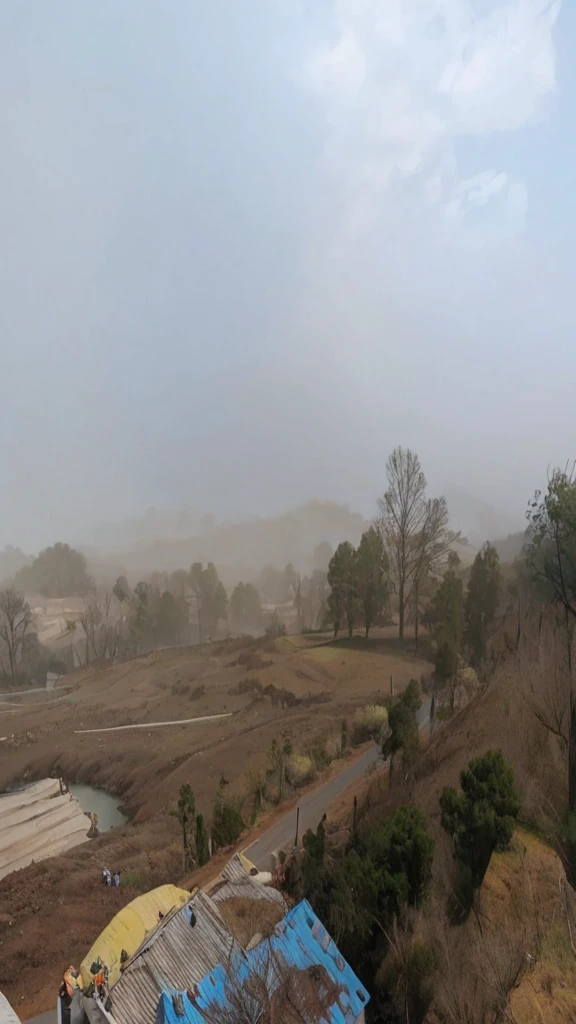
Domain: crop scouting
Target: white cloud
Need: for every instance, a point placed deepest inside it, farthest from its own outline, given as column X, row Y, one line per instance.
column 404, row 80
column 476, row 191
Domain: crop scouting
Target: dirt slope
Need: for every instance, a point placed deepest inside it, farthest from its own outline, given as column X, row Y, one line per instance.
column 50, row 913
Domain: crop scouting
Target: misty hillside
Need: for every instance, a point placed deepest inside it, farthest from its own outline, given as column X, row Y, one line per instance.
column 11, row 561
column 154, row 524
column 510, row 547
column 478, row 520
column 241, row 546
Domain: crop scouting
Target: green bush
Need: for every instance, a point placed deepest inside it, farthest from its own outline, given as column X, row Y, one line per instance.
column 227, row 822
column 481, row 817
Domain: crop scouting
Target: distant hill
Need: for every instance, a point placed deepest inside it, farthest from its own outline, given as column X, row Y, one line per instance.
column 241, row 547
column 511, row 546
column 153, row 524
column 11, row 561
column 478, row 520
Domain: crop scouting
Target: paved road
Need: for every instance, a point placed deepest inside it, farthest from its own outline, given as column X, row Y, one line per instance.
column 312, row 808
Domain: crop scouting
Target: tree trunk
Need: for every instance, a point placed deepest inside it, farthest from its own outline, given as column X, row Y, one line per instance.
column 401, row 609
column 416, row 619
column 572, row 757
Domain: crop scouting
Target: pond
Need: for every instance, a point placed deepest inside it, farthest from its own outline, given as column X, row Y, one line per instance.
column 100, row 802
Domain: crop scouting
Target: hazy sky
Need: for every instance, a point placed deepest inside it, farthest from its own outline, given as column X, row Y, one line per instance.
column 247, row 248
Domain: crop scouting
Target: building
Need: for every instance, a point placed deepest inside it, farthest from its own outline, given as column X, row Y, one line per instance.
column 236, row 938
column 298, row 973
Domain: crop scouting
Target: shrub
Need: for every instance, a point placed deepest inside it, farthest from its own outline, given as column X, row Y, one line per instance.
column 299, row 769
column 253, row 661
column 368, row 722
column 227, row 822
column 481, row 817
column 323, row 750
column 275, row 627
column 343, row 737
column 333, row 748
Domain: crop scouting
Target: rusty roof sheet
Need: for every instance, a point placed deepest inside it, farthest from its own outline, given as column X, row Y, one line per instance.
column 176, row 955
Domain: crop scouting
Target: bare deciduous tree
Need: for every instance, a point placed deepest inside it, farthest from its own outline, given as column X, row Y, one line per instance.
column 100, row 624
column 15, row 620
column 545, row 672
column 274, row 993
column 414, row 528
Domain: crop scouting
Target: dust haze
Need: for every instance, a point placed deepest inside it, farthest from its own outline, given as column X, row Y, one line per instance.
column 239, row 267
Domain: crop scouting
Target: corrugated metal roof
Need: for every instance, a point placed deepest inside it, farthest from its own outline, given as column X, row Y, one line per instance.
column 299, row 941
column 247, row 888
column 235, row 870
column 175, row 956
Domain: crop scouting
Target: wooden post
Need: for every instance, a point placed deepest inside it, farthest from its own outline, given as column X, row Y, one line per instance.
column 297, row 824
column 391, row 686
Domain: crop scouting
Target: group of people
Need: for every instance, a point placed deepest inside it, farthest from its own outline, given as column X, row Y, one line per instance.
column 110, row 879
column 85, row 1001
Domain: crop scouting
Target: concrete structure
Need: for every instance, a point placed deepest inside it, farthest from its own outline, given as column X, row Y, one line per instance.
column 38, row 822
column 7, row 1015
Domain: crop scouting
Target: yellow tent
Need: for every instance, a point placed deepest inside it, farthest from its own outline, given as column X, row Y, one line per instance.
column 128, row 929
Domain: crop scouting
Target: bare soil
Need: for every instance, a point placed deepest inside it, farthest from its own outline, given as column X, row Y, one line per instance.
column 50, row 913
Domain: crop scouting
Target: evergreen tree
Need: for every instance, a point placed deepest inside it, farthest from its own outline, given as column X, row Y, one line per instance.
column 372, row 576
column 446, row 621
column 343, row 582
column 245, row 606
column 481, row 817
column 551, row 556
column 168, row 621
column 186, row 814
column 209, row 598
column 202, row 845
column 227, row 821
column 481, row 602
column 402, row 733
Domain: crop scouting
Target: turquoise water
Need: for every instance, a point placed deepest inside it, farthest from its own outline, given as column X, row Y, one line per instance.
column 98, row 801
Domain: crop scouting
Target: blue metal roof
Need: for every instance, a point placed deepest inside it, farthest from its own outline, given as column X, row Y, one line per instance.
column 300, row 941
